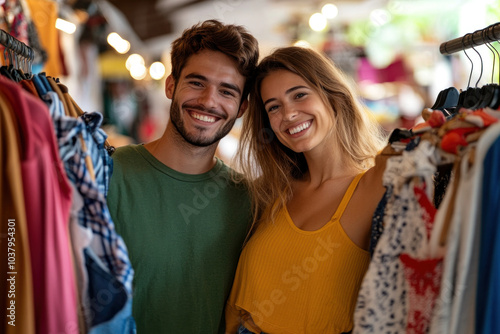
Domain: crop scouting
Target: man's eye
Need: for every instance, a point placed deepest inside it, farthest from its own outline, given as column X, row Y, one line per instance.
column 195, row 83
column 227, row 92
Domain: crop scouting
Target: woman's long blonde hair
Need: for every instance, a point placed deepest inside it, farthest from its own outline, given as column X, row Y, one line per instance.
column 268, row 166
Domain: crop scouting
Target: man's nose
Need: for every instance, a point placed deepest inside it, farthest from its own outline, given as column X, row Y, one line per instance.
column 208, row 97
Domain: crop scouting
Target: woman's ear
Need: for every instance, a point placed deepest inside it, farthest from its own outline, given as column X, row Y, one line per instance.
column 169, row 86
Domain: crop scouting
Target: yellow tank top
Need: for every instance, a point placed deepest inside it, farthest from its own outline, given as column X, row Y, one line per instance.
column 294, row 281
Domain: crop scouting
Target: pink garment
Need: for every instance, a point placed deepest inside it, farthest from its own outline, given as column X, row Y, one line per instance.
column 47, row 196
column 395, row 71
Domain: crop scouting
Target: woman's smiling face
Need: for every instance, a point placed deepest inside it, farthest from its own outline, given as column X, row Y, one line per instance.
column 297, row 114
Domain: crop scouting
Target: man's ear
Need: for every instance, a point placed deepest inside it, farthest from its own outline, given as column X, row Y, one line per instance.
column 169, row 86
column 243, row 108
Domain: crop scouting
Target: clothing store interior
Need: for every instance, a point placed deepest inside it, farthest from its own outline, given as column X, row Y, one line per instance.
column 390, row 49
column 109, row 59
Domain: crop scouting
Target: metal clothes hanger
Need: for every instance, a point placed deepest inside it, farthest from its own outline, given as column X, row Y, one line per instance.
column 473, row 94
column 463, row 94
column 8, row 61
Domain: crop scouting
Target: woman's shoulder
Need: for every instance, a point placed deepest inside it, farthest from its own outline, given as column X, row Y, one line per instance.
column 372, row 181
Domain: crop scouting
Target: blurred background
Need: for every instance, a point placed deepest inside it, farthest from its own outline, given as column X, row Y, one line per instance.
column 114, row 55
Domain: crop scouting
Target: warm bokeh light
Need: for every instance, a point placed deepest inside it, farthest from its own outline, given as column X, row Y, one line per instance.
column 302, row 43
column 119, row 44
column 134, row 59
column 157, row 70
column 138, row 71
column 330, row 11
column 317, row 22
column 65, row 26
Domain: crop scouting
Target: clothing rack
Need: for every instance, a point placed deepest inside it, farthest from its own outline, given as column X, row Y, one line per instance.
column 479, row 37
column 11, row 43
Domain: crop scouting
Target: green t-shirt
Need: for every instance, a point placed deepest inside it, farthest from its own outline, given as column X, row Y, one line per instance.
column 184, row 235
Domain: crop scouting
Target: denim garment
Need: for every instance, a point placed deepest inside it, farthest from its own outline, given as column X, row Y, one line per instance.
column 41, row 84
column 123, row 322
column 110, row 308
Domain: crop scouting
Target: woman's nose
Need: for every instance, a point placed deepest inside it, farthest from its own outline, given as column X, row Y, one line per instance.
column 289, row 113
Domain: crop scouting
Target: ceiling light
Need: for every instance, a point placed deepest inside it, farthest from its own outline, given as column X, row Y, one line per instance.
column 317, row 22
column 157, row 70
column 138, row 71
column 121, row 45
column 330, row 11
column 134, row 59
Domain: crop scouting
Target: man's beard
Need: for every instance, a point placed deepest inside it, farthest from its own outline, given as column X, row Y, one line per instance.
column 199, row 139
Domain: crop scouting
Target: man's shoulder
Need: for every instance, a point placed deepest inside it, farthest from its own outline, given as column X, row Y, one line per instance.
column 128, row 155
column 126, row 159
column 232, row 176
column 125, row 151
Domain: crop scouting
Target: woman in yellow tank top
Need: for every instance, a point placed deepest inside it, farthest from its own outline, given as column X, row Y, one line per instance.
column 315, row 187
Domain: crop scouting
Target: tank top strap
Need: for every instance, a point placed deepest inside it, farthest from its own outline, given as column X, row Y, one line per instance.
column 347, row 196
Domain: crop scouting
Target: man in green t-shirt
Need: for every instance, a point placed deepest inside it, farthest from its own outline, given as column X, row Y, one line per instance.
column 182, row 217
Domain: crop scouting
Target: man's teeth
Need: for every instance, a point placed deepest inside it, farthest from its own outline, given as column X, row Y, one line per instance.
column 204, row 118
column 299, row 128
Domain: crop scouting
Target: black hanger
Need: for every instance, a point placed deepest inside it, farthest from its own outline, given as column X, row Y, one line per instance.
column 446, row 100
column 5, row 72
column 477, row 95
column 488, row 93
column 494, row 102
column 7, row 60
column 12, row 70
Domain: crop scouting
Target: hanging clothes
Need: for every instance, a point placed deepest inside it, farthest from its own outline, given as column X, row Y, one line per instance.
column 47, row 197
column 456, row 309
column 488, row 289
column 390, row 298
column 103, row 265
column 424, row 271
column 45, row 23
column 67, row 240
column 17, row 296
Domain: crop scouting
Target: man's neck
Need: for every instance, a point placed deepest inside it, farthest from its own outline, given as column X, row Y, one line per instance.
column 181, row 156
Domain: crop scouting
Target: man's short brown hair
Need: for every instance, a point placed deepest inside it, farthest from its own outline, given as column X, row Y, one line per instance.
column 232, row 40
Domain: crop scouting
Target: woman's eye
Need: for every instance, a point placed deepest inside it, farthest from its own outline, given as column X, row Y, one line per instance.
column 272, row 108
column 299, row 95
